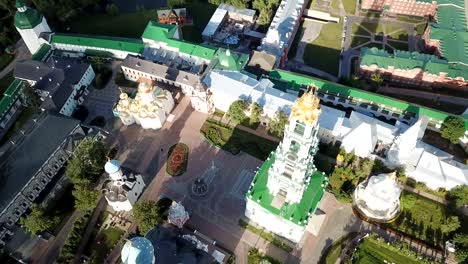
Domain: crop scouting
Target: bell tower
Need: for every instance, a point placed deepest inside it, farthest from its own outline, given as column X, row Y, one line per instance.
column 30, row 24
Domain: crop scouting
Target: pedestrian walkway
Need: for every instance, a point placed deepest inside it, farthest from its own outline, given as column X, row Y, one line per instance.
column 100, row 207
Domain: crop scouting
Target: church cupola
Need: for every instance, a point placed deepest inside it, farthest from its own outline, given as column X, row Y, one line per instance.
column 30, row 24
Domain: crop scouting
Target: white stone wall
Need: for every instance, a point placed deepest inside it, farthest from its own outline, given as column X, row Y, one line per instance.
column 273, row 223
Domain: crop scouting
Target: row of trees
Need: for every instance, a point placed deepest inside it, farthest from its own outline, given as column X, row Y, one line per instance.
column 244, row 113
column 83, row 170
column 265, row 8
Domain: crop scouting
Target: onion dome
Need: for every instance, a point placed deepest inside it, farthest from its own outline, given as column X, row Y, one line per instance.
column 307, row 108
column 25, row 17
column 112, row 166
column 137, row 250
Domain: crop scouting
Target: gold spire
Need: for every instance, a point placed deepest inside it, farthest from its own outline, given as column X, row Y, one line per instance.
column 307, row 108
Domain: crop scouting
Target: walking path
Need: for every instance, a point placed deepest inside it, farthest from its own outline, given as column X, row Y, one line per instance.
column 21, row 53
column 52, row 251
column 310, row 31
column 100, row 207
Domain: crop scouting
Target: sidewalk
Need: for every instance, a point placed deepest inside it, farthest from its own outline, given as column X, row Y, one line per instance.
column 89, row 228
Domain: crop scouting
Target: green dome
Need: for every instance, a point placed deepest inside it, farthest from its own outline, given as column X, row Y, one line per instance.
column 27, row 19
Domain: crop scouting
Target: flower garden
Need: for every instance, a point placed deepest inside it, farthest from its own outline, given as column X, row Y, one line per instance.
column 177, row 159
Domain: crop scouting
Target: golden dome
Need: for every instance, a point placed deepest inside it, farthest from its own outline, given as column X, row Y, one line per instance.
column 144, row 87
column 307, row 108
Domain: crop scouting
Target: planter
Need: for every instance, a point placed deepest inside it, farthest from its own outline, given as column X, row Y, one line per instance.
column 177, row 159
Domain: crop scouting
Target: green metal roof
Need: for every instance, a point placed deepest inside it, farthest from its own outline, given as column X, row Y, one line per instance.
column 42, row 52
column 165, row 33
column 451, row 30
column 9, row 97
column 122, row 44
column 27, row 19
column 411, row 60
column 297, row 213
column 297, row 80
column 230, row 60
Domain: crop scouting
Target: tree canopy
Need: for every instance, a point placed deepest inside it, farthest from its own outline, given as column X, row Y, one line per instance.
column 277, row 124
column 87, row 162
column 255, row 113
column 461, row 243
column 453, row 129
column 147, row 215
column 236, row 111
column 38, row 221
column 85, row 197
column 458, row 196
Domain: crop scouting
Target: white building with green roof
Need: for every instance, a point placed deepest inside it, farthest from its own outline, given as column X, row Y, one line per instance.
column 287, row 189
column 30, row 24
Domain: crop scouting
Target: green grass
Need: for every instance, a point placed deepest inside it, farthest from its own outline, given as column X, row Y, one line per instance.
column 267, row 236
column 255, row 257
column 349, row 6
column 105, row 242
column 129, row 25
column 358, row 30
column 192, row 34
column 370, row 251
column 235, row 140
column 5, row 59
column 358, row 41
column 421, row 218
column 335, row 5
column 324, row 52
column 400, row 35
column 332, row 254
column 373, row 27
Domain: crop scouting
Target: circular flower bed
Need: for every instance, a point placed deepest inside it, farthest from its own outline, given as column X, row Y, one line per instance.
column 177, row 159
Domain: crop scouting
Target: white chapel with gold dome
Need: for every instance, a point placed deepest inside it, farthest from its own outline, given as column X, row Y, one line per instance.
column 287, row 188
column 149, row 108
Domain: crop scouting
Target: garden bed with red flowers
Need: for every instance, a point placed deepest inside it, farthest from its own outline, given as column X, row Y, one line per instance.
column 177, row 159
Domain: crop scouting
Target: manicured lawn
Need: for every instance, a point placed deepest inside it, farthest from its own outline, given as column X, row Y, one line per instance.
column 370, row 252
column 5, row 59
column 334, row 251
column 359, row 30
column 105, row 241
column 400, row 35
column 373, row 27
column 255, row 257
column 235, row 140
column 324, row 52
column 192, row 34
column 358, row 41
column 349, row 6
column 267, row 236
column 129, row 25
column 421, row 218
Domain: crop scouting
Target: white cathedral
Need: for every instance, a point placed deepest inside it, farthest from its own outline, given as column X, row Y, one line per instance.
column 149, row 108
